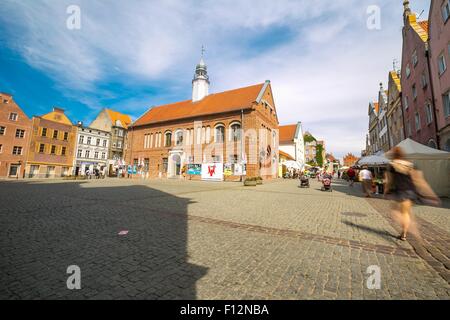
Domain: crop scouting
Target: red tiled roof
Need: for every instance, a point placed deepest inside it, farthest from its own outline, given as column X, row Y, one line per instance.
column 287, row 133
column 424, row 25
column 232, row 100
column 377, row 107
column 124, row 119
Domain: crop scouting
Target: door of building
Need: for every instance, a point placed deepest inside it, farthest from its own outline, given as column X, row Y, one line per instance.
column 175, row 159
column 14, row 170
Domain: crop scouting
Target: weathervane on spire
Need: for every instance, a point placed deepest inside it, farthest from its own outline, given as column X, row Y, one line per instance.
column 203, row 50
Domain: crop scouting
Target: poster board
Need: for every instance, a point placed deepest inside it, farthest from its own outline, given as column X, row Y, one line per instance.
column 212, row 171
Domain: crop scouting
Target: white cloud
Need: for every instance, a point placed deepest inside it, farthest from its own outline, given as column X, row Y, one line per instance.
column 324, row 76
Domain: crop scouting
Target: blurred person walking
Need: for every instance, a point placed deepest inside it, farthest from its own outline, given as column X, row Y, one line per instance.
column 351, row 176
column 406, row 186
column 365, row 176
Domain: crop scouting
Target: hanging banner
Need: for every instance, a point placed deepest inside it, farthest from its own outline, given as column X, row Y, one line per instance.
column 212, row 171
column 194, row 169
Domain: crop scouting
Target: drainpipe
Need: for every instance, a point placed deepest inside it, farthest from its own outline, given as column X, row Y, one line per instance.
column 242, row 142
column 427, row 53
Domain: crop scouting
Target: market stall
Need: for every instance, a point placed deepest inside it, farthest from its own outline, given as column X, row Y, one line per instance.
column 435, row 165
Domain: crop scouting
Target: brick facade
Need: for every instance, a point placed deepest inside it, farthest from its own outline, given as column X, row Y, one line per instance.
column 15, row 129
column 147, row 144
column 439, row 43
column 415, row 82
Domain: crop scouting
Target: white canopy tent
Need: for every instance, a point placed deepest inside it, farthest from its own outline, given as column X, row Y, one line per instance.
column 293, row 165
column 373, row 161
column 435, row 164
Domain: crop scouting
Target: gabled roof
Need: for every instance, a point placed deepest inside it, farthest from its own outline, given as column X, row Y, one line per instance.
column 232, row 100
column 287, row 133
column 396, row 80
column 57, row 115
column 286, row 155
column 420, row 27
column 115, row 116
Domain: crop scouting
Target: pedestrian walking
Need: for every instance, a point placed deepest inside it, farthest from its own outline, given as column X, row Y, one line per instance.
column 405, row 185
column 351, row 176
column 366, row 181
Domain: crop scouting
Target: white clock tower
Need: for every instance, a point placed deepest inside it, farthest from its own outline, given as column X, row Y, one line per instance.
column 200, row 83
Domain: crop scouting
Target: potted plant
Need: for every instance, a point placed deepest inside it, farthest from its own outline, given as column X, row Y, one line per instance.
column 250, row 182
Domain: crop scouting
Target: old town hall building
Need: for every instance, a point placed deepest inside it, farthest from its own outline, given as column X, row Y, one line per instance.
column 222, row 136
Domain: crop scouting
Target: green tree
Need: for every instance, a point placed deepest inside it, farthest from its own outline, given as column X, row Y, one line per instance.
column 319, row 155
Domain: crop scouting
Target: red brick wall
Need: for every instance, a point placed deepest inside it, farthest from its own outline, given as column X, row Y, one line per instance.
column 9, row 140
column 258, row 118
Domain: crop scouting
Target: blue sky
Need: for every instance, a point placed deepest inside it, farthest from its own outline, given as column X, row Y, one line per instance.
column 324, row 63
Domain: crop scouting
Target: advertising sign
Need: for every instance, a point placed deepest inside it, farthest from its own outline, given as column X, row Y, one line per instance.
column 212, row 171
column 194, row 169
column 228, row 170
column 238, row 170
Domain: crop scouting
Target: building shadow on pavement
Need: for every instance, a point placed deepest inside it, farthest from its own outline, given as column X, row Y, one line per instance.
column 385, row 235
column 51, row 226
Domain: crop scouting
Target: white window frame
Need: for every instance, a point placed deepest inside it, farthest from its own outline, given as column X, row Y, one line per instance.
column 445, row 11
column 217, row 126
column 165, row 138
column 423, row 80
column 414, row 58
column 446, row 106
column 417, row 122
column 177, row 133
column 21, row 130
column 408, row 71
column 4, row 130
column 429, row 113
column 17, row 148
column 231, row 132
column 442, row 63
column 15, row 118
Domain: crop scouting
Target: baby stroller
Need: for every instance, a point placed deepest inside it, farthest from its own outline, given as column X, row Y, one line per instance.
column 326, row 183
column 304, row 181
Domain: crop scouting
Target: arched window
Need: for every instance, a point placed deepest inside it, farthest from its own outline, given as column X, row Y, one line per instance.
column 168, row 139
column 235, row 132
column 179, row 138
column 203, row 135
column 219, row 133
column 432, row 144
column 208, row 134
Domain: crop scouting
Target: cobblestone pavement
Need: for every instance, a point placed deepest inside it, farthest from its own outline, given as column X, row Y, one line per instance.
column 199, row 240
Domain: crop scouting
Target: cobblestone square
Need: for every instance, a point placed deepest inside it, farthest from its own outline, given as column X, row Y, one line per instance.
column 200, row 240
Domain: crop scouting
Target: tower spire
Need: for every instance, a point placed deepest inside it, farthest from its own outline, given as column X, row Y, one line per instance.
column 200, row 83
column 406, row 10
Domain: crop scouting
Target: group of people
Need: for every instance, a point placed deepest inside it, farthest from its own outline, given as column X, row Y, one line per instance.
column 95, row 173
